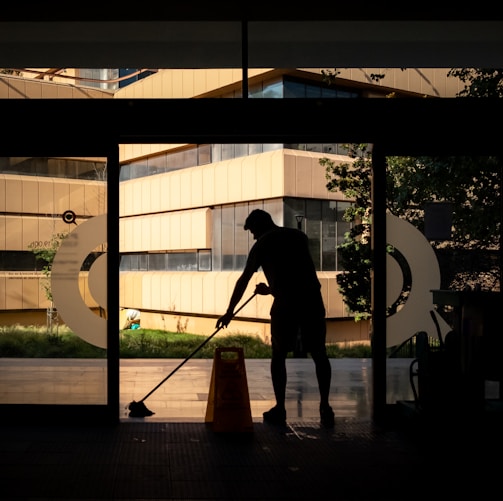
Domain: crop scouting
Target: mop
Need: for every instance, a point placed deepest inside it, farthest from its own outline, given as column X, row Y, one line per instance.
column 139, row 409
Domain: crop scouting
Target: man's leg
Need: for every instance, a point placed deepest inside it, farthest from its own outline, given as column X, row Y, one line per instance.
column 277, row 415
column 324, row 377
column 279, row 377
column 316, row 333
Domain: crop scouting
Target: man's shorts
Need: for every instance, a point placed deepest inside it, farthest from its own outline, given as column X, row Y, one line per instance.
column 288, row 328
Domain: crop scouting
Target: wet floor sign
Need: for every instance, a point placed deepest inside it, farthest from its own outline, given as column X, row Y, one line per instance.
column 228, row 408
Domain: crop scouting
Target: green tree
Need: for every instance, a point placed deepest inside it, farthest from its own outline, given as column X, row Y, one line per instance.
column 479, row 82
column 46, row 252
column 354, row 180
column 471, row 184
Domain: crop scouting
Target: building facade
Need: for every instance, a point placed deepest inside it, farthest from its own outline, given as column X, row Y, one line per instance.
column 183, row 206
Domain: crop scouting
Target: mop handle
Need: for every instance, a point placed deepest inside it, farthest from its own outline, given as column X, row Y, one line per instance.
column 196, row 350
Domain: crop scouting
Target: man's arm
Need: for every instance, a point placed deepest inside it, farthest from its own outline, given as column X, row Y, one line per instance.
column 237, row 294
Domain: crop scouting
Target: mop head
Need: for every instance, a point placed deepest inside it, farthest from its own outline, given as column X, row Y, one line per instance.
column 138, row 409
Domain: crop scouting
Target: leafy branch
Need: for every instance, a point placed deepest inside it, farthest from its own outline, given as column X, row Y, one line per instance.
column 46, row 254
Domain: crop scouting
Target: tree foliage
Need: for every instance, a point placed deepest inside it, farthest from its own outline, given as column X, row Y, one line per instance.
column 479, row 82
column 46, row 254
column 471, row 184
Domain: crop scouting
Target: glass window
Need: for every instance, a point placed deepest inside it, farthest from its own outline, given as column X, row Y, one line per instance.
column 241, row 237
column 329, row 92
column 313, row 91
column 182, row 261
column 294, row 207
column 255, row 91
column 321, row 220
column 139, row 169
column 19, row 261
column 174, row 161
column 157, row 164
column 143, row 262
column 252, row 206
column 329, row 148
column 241, row 150
column 216, row 239
column 227, row 151
column 313, row 230
column 346, row 93
column 228, row 235
column 275, row 208
column 342, row 228
column 255, row 148
column 216, row 152
column 328, row 236
column 294, row 89
column 157, row 262
column 133, row 261
column 125, row 172
column 124, row 263
column 273, row 89
column 272, row 146
column 189, row 157
column 35, row 224
column 204, row 260
column 204, row 154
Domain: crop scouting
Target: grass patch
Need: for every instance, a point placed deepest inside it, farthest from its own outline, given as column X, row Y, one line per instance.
column 36, row 342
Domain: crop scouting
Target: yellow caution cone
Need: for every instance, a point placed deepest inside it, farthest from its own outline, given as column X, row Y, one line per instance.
column 228, row 408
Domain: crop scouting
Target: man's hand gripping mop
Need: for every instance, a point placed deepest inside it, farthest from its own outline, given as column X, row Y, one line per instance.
column 139, row 409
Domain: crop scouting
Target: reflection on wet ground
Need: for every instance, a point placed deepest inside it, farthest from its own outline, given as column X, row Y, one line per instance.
column 184, row 395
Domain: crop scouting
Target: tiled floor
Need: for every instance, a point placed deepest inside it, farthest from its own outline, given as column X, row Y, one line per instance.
column 174, row 455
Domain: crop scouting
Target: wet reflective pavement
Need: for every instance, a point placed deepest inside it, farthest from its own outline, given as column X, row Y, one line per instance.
column 184, row 395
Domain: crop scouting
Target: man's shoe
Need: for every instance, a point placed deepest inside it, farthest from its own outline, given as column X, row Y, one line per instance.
column 275, row 416
column 327, row 417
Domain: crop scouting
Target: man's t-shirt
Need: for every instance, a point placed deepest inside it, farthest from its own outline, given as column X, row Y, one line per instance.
column 283, row 254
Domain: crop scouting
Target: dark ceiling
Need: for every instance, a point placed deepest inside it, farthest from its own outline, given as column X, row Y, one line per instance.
column 210, row 34
column 255, row 35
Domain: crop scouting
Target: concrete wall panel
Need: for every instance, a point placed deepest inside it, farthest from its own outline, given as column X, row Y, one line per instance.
column 156, row 229
column 77, row 201
column 29, row 195
column 61, row 197
column 14, row 194
column 30, row 228
column 144, row 235
column 249, row 180
column 146, row 195
column 209, row 182
column 3, row 232
column 14, row 295
column 31, row 293
column 14, row 233
column 178, row 192
column 46, row 198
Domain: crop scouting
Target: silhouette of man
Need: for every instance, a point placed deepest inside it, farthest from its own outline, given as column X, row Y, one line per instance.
column 297, row 309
